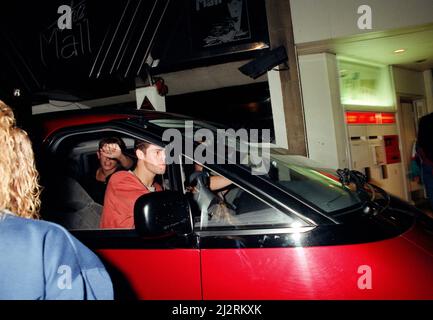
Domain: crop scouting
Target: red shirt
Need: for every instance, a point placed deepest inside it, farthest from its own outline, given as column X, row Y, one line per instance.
column 124, row 188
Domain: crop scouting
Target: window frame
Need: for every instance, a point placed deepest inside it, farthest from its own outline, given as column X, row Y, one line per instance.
column 246, row 230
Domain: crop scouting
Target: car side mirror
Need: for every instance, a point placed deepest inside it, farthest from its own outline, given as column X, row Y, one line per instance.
column 162, row 213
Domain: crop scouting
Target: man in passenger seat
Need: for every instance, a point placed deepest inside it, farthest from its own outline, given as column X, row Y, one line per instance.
column 125, row 187
column 112, row 158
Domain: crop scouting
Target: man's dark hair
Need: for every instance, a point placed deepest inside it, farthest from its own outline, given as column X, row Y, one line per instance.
column 142, row 145
column 115, row 140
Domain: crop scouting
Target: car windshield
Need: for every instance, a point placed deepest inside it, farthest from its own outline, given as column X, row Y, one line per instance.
column 304, row 178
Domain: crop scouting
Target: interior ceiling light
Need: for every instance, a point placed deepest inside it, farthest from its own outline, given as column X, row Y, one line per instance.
column 399, row 51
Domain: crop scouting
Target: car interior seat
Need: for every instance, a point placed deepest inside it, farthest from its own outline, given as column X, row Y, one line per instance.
column 71, row 206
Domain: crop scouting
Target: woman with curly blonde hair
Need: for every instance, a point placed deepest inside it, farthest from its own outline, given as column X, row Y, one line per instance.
column 38, row 259
column 25, row 189
column 7, row 121
column 19, row 187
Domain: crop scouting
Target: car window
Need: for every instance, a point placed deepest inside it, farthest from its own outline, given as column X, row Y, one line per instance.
column 67, row 197
column 231, row 206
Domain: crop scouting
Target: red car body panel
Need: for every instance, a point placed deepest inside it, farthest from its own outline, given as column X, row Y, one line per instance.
column 399, row 270
column 52, row 125
column 421, row 237
column 160, row 274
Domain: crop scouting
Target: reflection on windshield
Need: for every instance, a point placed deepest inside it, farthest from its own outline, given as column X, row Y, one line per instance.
column 318, row 187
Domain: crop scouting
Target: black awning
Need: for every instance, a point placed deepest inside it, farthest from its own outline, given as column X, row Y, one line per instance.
column 110, row 43
column 106, row 47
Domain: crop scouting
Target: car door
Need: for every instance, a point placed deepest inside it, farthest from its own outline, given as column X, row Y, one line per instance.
column 264, row 252
column 248, row 244
column 140, row 267
column 267, row 251
column 256, row 257
column 270, row 248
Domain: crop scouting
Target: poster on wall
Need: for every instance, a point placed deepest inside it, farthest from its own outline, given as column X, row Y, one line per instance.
column 219, row 22
column 365, row 85
column 203, row 32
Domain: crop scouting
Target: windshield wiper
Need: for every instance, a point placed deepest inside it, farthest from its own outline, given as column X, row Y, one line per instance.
column 348, row 177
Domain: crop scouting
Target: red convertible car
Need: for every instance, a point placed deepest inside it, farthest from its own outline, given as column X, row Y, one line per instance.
column 297, row 232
